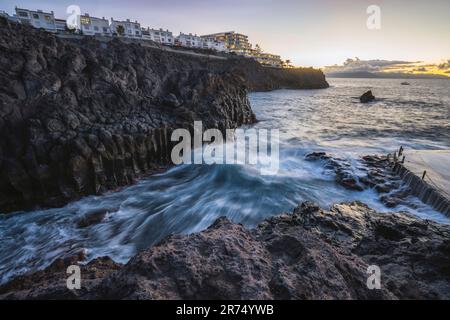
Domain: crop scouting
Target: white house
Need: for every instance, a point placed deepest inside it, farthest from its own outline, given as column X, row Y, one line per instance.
column 130, row 29
column 215, row 45
column 268, row 59
column 189, row 40
column 38, row 19
column 92, row 26
column 60, row 25
column 160, row 36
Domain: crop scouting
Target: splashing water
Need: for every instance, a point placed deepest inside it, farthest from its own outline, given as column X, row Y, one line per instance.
column 188, row 198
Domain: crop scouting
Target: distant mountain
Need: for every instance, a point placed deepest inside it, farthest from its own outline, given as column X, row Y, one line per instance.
column 383, row 75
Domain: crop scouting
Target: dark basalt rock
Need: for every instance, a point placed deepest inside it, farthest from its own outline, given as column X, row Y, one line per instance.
column 91, row 218
column 310, row 254
column 374, row 172
column 341, row 168
column 80, row 117
column 367, row 97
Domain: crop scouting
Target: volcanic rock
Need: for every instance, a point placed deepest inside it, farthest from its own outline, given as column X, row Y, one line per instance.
column 309, row 254
column 367, row 97
column 82, row 116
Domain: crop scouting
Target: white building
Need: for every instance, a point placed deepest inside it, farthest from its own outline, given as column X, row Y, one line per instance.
column 215, row 45
column 38, row 19
column 189, row 40
column 160, row 36
column 268, row 59
column 126, row 28
column 60, row 25
column 93, row 26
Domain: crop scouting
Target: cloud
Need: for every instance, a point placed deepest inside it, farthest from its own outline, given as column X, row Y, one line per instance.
column 358, row 65
column 445, row 65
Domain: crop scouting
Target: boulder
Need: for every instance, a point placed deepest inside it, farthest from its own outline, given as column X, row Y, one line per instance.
column 367, row 97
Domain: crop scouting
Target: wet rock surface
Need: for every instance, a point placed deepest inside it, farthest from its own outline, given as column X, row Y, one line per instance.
column 344, row 173
column 309, row 254
column 372, row 171
column 80, row 117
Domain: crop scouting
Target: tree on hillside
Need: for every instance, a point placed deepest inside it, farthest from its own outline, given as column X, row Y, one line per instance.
column 120, row 30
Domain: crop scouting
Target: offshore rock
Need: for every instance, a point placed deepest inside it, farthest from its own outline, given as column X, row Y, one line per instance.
column 367, row 97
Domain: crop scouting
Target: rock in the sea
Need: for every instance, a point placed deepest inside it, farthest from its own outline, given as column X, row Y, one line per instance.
column 367, row 97
column 342, row 169
column 310, row 254
column 91, row 218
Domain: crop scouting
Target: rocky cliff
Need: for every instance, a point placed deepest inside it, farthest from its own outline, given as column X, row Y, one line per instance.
column 80, row 117
column 309, row 254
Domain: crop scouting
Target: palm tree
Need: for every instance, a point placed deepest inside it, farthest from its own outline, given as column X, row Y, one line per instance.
column 120, row 30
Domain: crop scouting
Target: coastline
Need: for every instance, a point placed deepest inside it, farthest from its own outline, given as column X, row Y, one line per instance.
column 308, row 254
column 105, row 159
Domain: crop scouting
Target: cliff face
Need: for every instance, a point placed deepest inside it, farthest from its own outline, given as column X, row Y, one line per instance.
column 310, row 254
column 80, row 117
column 266, row 79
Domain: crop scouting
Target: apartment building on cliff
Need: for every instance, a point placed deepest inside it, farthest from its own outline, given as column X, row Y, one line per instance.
column 229, row 41
column 126, row 28
column 159, row 36
column 93, row 26
column 38, row 19
column 189, row 40
column 268, row 59
column 217, row 45
column 235, row 42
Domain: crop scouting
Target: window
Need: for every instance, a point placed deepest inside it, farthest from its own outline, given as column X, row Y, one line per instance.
column 105, row 30
column 85, row 20
column 137, row 32
column 86, row 27
column 23, row 14
column 95, row 28
column 47, row 18
column 35, row 16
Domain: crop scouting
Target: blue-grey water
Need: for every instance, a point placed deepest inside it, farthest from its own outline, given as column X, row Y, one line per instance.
column 188, row 198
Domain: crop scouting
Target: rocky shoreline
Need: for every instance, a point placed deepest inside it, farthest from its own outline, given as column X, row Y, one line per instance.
column 309, row 254
column 81, row 117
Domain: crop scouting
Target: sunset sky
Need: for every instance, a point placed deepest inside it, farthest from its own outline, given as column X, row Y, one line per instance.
column 323, row 33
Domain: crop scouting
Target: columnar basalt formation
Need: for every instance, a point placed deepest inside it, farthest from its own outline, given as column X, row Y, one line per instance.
column 80, row 116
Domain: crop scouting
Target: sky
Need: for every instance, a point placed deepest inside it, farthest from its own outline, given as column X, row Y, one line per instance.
column 310, row 33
